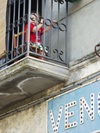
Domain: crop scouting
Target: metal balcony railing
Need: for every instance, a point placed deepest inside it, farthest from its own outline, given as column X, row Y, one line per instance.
column 54, row 42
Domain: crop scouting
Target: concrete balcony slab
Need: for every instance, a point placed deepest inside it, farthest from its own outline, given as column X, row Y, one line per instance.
column 28, row 77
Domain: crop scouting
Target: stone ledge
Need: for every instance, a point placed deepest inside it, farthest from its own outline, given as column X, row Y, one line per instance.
column 83, row 68
column 86, row 60
column 47, row 68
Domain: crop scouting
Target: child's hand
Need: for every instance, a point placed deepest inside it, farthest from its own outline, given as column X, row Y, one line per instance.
column 54, row 22
column 42, row 20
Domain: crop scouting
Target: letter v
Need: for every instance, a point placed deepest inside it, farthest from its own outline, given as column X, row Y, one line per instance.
column 55, row 127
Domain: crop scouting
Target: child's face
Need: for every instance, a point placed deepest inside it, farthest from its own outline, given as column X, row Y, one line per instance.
column 33, row 19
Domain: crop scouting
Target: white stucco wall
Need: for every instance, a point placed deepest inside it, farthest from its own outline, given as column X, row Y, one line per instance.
column 83, row 29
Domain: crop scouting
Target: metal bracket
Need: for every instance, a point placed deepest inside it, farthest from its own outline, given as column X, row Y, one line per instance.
column 96, row 49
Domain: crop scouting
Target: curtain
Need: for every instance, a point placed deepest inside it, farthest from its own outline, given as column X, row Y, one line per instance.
column 3, row 5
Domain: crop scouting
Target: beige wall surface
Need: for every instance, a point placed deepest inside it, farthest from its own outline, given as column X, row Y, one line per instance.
column 32, row 120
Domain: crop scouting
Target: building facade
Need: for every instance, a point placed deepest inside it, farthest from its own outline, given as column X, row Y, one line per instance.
column 61, row 93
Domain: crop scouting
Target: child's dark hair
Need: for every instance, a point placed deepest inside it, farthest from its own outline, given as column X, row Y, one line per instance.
column 33, row 13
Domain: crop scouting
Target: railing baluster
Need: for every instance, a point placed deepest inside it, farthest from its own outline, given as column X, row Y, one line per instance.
column 58, row 30
column 44, row 26
column 51, row 26
column 23, row 24
column 12, row 45
column 8, row 28
column 37, row 3
column 18, row 26
column 66, row 34
column 28, row 35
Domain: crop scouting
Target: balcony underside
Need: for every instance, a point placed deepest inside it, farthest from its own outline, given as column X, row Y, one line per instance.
column 28, row 77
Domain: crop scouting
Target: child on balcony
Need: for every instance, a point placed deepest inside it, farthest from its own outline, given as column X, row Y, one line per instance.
column 33, row 28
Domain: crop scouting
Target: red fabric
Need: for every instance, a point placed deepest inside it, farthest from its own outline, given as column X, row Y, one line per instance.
column 33, row 34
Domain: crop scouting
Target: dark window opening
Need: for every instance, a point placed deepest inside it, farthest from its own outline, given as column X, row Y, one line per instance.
column 17, row 11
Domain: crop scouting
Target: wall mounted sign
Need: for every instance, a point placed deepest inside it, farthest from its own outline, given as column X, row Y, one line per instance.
column 77, row 111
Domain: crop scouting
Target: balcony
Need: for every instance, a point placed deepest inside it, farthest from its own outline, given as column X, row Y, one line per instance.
column 24, row 71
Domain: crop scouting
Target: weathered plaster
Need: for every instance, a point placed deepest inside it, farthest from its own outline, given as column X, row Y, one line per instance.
column 32, row 120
